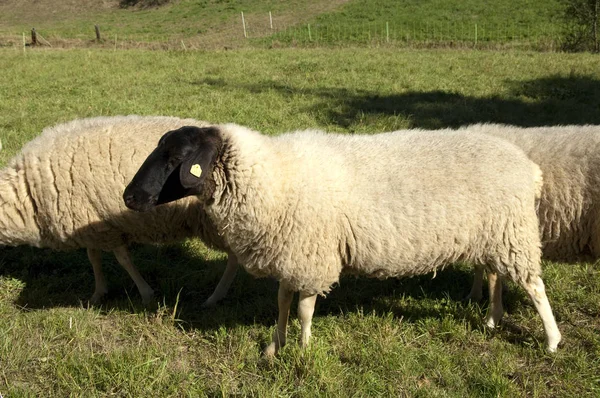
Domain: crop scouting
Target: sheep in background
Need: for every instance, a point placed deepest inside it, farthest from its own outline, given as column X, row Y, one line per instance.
column 305, row 206
column 569, row 208
column 63, row 191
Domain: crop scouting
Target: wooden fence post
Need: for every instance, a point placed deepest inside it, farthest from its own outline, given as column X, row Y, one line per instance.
column 34, row 41
column 244, row 25
column 97, row 29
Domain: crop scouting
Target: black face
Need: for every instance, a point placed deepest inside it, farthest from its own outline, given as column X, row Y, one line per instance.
column 180, row 166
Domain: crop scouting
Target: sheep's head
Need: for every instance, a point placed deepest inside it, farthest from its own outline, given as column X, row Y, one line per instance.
column 181, row 165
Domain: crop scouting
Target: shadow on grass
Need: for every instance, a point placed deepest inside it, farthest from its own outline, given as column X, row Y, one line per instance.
column 555, row 100
column 181, row 276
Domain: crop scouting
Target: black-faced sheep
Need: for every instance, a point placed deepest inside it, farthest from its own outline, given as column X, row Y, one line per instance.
column 305, row 206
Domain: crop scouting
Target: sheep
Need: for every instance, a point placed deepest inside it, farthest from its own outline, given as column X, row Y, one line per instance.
column 569, row 220
column 302, row 207
column 63, row 191
column 569, row 157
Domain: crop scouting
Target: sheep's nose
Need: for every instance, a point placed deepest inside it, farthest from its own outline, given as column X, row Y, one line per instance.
column 129, row 200
column 139, row 200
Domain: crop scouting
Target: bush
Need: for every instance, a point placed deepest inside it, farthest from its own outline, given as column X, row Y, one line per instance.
column 582, row 20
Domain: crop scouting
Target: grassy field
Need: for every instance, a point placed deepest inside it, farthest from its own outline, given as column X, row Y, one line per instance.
column 209, row 23
column 407, row 337
column 217, row 23
column 434, row 21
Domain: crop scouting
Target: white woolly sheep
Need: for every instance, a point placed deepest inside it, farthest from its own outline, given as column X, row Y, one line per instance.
column 569, row 217
column 305, row 206
column 63, row 191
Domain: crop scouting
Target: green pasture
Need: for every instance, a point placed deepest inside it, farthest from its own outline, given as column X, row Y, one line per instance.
column 407, row 337
column 210, row 24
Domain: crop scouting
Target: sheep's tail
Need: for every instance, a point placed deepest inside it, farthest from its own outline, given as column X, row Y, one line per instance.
column 17, row 211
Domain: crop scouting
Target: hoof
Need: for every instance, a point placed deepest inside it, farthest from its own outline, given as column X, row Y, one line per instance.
column 270, row 351
column 491, row 323
column 473, row 297
column 97, row 298
column 553, row 344
column 208, row 304
column 148, row 299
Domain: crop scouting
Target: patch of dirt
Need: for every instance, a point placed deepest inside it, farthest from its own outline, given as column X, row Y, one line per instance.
column 35, row 11
column 226, row 35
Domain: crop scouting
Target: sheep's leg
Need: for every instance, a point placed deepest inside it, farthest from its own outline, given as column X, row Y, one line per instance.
column 496, row 309
column 306, row 309
column 477, row 287
column 284, row 300
column 536, row 290
column 95, row 257
column 225, row 282
column 122, row 255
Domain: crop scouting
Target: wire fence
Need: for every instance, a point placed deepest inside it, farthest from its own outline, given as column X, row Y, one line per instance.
column 421, row 34
column 260, row 30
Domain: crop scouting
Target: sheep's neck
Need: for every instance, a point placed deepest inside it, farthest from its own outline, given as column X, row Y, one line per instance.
column 17, row 210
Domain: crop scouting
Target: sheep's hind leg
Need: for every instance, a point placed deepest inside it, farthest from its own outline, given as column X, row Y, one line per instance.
column 306, row 309
column 225, row 282
column 284, row 301
column 536, row 290
column 95, row 257
column 122, row 255
column 496, row 309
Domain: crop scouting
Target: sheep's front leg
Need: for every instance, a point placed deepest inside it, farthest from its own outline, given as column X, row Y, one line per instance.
column 306, row 309
column 477, row 287
column 95, row 257
column 122, row 255
column 284, row 300
column 496, row 309
column 225, row 282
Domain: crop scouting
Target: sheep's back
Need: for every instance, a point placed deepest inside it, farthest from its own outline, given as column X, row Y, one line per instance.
column 393, row 204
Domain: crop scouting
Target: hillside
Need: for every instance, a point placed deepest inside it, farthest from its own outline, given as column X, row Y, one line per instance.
column 73, row 21
column 218, row 23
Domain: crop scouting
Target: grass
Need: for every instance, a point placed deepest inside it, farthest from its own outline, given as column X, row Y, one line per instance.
column 434, row 21
column 207, row 23
column 406, row 337
column 217, row 23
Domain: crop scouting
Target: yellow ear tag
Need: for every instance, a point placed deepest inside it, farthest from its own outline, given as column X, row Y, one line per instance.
column 196, row 170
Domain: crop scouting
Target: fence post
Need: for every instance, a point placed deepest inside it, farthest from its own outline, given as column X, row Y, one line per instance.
column 271, row 20
column 97, row 29
column 387, row 32
column 475, row 34
column 24, row 43
column 34, row 41
column 244, row 25
column 309, row 34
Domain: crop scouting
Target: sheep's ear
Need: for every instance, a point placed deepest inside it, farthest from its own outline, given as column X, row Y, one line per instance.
column 198, row 166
